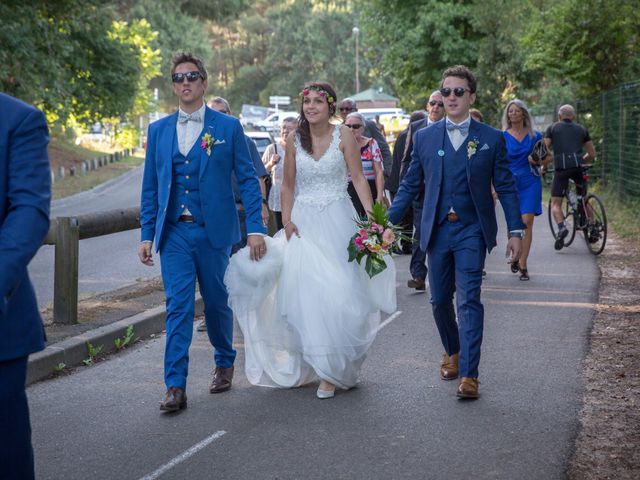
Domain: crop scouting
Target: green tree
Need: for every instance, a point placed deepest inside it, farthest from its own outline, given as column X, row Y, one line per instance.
column 590, row 43
column 62, row 57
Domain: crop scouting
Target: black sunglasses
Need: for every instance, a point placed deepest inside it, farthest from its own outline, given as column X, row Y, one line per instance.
column 433, row 103
column 347, row 109
column 458, row 91
column 191, row 76
column 355, row 126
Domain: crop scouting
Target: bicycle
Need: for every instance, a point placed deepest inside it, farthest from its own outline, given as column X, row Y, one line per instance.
column 582, row 212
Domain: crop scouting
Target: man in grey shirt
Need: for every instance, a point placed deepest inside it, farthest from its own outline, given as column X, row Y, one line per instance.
column 567, row 138
column 347, row 106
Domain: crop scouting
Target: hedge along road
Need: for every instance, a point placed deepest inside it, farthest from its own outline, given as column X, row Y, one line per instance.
column 401, row 421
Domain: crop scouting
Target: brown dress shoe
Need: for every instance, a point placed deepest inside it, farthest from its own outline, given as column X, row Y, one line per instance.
column 222, row 378
column 468, row 388
column 175, row 399
column 417, row 283
column 449, row 367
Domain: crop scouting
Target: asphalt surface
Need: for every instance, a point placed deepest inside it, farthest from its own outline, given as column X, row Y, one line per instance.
column 401, row 422
column 106, row 263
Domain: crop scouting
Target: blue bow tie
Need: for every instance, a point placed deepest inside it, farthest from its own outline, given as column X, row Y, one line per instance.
column 463, row 127
column 194, row 117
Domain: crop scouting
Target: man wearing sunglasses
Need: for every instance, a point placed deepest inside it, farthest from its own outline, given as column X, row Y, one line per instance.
column 418, row 267
column 188, row 209
column 347, row 106
column 456, row 161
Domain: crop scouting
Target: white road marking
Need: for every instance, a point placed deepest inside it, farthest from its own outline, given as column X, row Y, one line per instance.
column 389, row 320
column 184, row 455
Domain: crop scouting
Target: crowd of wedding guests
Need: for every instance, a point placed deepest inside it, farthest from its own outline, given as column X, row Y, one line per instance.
column 385, row 166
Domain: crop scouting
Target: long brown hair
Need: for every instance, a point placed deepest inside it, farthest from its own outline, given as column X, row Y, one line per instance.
column 303, row 124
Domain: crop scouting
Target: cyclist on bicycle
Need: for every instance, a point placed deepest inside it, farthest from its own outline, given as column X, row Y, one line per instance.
column 567, row 139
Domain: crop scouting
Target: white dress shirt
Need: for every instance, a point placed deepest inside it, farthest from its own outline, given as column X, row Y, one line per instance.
column 455, row 136
column 189, row 132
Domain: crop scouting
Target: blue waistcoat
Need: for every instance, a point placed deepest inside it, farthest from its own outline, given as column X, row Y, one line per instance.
column 455, row 187
column 185, row 184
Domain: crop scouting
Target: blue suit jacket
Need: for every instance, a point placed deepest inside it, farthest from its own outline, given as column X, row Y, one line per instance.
column 488, row 164
column 25, row 194
column 229, row 154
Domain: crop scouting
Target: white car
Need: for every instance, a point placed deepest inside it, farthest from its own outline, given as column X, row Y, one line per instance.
column 274, row 121
column 262, row 139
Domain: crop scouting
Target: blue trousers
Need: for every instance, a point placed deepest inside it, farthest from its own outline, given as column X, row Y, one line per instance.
column 456, row 255
column 417, row 267
column 187, row 254
column 16, row 454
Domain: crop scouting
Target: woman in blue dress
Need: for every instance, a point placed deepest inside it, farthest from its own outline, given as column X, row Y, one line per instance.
column 520, row 137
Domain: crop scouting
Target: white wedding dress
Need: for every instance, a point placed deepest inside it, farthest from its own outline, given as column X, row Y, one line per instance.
column 304, row 310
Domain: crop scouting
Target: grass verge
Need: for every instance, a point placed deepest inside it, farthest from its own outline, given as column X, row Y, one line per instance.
column 71, row 185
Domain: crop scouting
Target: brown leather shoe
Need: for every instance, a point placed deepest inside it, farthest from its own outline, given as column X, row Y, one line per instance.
column 417, row 283
column 449, row 367
column 222, row 378
column 176, row 398
column 468, row 388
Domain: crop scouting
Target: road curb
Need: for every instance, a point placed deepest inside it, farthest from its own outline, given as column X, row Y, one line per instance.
column 73, row 351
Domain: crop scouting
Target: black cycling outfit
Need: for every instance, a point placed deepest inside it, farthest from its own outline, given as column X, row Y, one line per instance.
column 567, row 139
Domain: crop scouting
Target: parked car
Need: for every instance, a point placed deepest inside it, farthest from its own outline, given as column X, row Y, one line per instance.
column 250, row 114
column 262, row 139
column 370, row 113
column 274, row 121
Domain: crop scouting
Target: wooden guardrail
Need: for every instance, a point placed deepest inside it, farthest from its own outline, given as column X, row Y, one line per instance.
column 65, row 233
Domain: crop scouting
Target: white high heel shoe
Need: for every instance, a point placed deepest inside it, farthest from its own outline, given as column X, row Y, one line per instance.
column 322, row 394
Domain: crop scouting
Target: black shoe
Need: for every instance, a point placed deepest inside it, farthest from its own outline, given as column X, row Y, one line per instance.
column 562, row 234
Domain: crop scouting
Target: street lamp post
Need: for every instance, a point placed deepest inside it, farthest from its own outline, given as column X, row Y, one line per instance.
column 356, row 33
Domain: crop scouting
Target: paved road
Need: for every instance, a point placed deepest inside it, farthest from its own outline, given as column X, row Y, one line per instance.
column 401, row 422
column 105, row 263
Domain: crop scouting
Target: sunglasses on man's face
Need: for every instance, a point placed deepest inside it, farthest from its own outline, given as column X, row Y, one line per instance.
column 191, row 76
column 347, row 109
column 433, row 103
column 458, row 91
column 354, row 126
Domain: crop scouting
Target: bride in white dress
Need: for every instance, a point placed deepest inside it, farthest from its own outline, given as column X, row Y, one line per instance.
column 304, row 310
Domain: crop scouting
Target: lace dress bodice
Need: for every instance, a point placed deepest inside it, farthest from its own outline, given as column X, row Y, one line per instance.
column 321, row 182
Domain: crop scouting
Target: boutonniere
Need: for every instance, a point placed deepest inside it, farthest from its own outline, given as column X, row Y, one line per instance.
column 472, row 146
column 207, row 142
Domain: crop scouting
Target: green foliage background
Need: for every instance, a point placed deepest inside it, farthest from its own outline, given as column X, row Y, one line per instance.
column 83, row 61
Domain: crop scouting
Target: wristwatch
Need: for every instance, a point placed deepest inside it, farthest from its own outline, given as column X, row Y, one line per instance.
column 516, row 233
column 264, row 201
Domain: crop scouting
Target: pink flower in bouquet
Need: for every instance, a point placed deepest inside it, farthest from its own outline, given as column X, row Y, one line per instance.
column 377, row 228
column 388, row 236
column 363, row 234
column 358, row 242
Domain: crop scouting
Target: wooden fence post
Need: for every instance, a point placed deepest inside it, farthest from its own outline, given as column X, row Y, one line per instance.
column 65, row 287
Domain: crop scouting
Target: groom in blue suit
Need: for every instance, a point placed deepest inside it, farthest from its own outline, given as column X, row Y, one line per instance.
column 25, row 194
column 188, row 208
column 456, row 161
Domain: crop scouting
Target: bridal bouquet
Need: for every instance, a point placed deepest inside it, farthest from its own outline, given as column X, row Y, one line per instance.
column 374, row 239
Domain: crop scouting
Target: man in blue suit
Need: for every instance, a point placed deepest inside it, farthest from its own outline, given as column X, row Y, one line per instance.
column 456, row 161
column 188, row 208
column 25, row 194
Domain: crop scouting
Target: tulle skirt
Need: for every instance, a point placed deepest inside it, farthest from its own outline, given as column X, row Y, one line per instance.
column 306, row 312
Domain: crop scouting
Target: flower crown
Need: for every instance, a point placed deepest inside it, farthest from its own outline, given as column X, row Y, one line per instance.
column 321, row 91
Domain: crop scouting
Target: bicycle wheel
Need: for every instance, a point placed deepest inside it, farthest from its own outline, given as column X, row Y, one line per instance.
column 595, row 232
column 569, row 221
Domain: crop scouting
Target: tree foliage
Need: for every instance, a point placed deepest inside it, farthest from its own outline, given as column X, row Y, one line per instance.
column 62, row 57
column 591, row 43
